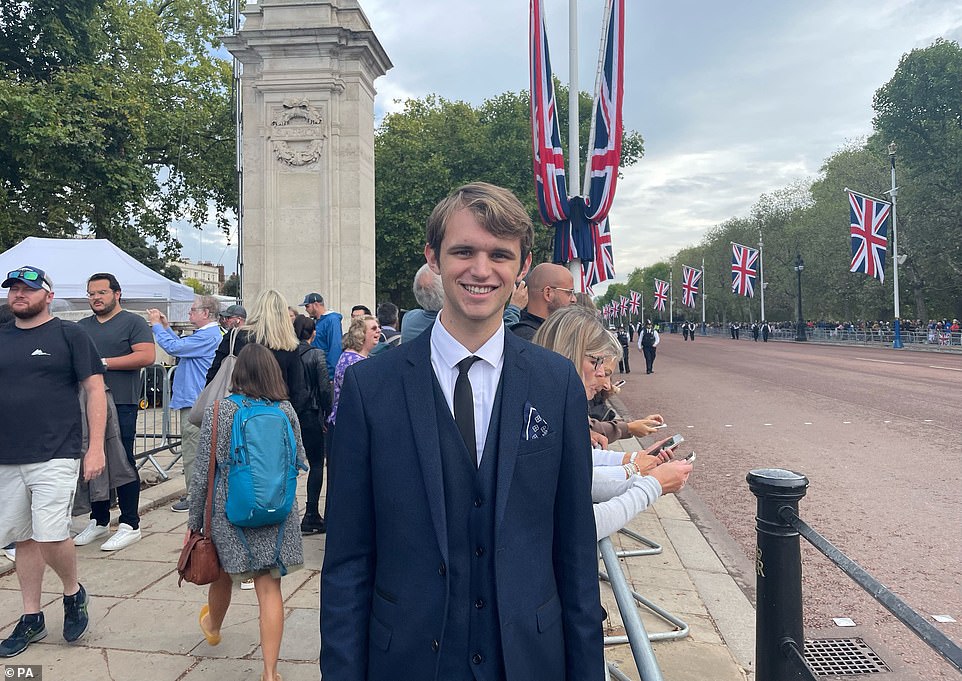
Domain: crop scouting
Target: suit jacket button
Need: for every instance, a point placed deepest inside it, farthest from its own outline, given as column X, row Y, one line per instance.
column 477, row 502
column 442, row 569
column 479, row 551
column 479, row 603
column 435, row 645
column 477, row 659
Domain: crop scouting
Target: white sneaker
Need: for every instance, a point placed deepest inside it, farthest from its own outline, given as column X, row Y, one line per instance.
column 247, row 584
column 10, row 552
column 91, row 532
column 123, row 537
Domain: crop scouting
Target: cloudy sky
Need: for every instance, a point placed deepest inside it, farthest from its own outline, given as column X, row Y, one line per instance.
column 733, row 99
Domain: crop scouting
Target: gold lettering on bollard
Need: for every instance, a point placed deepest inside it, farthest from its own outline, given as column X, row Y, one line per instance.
column 759, row 565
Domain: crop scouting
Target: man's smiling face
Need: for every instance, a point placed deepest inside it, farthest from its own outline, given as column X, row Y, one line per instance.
column 478, row 271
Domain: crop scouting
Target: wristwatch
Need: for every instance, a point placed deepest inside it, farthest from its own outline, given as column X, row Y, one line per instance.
column 103, row 360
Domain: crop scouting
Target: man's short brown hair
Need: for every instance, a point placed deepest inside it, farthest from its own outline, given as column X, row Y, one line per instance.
column 497, row 210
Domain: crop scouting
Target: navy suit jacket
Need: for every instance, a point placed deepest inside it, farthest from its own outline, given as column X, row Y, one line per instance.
column 384, row 582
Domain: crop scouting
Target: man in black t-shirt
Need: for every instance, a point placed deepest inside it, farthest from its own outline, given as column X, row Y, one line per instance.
column 44, row 362
column 126, row 345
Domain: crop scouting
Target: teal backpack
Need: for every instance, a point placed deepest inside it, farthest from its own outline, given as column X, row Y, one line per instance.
column 262, row 477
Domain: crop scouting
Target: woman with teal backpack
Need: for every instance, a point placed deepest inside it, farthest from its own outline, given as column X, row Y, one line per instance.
column 248, row 541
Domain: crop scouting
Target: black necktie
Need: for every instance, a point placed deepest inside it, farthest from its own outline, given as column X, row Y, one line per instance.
column 464, row 406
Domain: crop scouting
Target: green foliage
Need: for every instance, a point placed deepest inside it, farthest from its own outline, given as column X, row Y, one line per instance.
column 920, row 108
column 115, row 118
column 231, row 287
column 195, row 284
column 434, row 145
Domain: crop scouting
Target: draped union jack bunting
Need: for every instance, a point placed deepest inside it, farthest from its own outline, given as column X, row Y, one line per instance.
column 870, row 218
column 661, row 295
column 602, row 268
column 604, row 145
column 744, row 270
column 549, row 174
column 634, row 301
column 689, row 285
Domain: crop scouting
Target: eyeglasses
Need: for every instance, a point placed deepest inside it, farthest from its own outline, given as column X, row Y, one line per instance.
column 570, row 291
column 94, row 294
column 596, row 362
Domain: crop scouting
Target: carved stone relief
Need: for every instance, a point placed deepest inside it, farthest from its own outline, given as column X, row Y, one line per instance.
column 297, row 135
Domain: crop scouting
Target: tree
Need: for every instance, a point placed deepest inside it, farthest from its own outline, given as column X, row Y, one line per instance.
column 231, row 287
column 196, row 284
column 434, row 145
column 115, row 118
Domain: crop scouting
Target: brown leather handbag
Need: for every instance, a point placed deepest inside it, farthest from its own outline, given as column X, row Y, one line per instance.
column 199, row 562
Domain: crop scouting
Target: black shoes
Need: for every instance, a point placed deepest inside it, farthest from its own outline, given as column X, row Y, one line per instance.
column 29, row 629
column 75, row 617
column 313, row 523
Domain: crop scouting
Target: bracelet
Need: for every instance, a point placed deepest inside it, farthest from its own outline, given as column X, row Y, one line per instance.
column 628, row 471
column 634, row 455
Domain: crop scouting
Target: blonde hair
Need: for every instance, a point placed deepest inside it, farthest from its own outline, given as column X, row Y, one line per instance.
column 575, row 332
column 354, row 338
column 268, row 322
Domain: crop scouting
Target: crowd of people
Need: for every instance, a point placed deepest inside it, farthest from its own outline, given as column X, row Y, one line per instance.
column 469, row 473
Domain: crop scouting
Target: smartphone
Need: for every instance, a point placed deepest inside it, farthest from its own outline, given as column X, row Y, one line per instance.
column 675, row 440
column 660, row 426
column 690, row 458
column 618, row 384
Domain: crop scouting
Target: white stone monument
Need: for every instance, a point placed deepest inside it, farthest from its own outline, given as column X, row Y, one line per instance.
column 308, row 149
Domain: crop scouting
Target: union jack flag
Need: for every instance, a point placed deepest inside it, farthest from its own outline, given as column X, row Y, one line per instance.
column 623, row 306
column 870, row 218
column 689, row 285
column 549, row 173
column 606, row 121
column 661, row 295
column 744, row 270
column 602, row 268
column 635, row 301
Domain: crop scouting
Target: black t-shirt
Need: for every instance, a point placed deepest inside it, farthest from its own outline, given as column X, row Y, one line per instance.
column 116, row 338
column 40, row 374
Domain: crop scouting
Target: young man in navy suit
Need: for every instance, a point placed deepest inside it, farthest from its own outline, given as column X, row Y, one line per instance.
column 461, row 539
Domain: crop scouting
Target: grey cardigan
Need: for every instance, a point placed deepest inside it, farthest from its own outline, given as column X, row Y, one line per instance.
column 234, row 557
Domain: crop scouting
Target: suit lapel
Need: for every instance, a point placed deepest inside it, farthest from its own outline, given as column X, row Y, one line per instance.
column 418, row 380
column 514, row 379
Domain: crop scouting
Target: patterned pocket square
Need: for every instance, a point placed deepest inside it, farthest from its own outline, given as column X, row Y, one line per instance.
column 534, row 425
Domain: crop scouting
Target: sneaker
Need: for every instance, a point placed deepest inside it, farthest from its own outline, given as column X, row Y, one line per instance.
column 75, row 617
column 313, row 524
column 247, row 584
column 29, row 629
column 181, row 506
column 10, row 551
column 123, row 537
column 90, row 533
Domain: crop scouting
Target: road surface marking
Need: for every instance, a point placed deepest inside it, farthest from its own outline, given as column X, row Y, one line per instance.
column 880, row 361
column 728, row 425
column 932, row 366
column 808, row 423
column 766, row 424
column 846, row 422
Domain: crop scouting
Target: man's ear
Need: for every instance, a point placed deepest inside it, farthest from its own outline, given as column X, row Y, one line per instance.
column 525, row 266
column 432, row 259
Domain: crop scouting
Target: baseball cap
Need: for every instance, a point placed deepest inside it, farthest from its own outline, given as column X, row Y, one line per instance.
column 234, row 311
column 31, row 276
column 313, row 298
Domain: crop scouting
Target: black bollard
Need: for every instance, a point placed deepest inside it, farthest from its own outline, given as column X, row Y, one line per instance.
column 778, row 575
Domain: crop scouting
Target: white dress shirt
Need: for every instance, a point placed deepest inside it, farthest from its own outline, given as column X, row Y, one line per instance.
column 485, row 375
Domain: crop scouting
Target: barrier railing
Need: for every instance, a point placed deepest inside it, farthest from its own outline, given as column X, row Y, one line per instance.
column 779, row 651
column 157, row 430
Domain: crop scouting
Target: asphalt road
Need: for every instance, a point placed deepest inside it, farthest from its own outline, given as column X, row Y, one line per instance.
column 877, row 432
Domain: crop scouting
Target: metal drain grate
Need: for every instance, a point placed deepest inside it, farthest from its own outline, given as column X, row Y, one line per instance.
column 842, row 657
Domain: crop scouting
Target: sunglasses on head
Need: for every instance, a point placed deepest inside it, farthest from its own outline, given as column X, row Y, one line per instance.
column 25, row 274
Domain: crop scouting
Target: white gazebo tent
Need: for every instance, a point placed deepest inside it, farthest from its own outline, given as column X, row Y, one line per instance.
column 70, row 262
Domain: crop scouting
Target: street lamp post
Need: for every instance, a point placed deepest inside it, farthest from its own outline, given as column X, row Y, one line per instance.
column 800, row 322
column 897, row 340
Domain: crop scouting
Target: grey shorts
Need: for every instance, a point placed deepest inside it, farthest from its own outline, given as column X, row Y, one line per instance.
column 37, row 500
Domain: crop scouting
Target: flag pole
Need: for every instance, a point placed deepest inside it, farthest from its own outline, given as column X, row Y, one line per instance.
column 671, row 296
column 704, row 288
column 761, row 271
column 574, row 142
column 893, row 192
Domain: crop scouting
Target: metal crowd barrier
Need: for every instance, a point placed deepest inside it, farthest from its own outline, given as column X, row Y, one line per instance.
column 157, row 430
column 779, row 646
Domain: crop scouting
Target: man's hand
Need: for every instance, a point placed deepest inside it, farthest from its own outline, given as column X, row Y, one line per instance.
column 93, row 463
column 520, row 295
column 597, row 439
column 155, row 316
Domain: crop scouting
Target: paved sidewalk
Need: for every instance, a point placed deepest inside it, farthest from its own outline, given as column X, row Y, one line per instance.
column 144, row 627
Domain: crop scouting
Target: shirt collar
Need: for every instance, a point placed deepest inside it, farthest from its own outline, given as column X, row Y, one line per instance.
column 208, row 325
column 450, row 351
